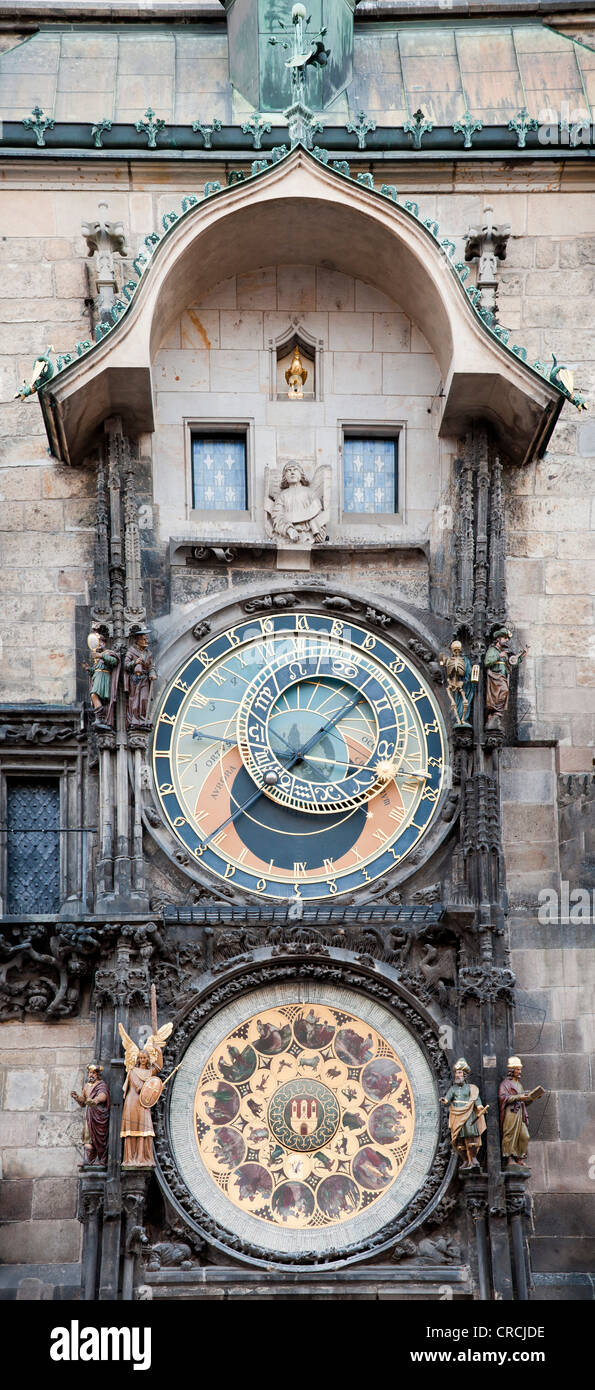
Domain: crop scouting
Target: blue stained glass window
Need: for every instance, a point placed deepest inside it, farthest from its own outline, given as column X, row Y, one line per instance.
column 370, row 475
column 219, row 473
column 33, row 846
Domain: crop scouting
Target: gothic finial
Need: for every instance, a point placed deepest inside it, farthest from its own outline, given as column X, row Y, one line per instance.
column 152, row 126
column 417, row 126
column 206, row 130
column 105, row 239
column 362, row 128
column 38, row 123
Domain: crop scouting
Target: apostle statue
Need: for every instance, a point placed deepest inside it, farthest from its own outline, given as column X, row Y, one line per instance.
column 94, row 1099
column 499, row 664
column 139, row 674
column 465, row 1115
column 513, row 1102
column 461, row 679
column 142, row 1088
column 104, row 671
column 296, row 505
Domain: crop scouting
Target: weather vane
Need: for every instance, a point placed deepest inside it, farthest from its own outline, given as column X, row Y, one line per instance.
column 308, row 51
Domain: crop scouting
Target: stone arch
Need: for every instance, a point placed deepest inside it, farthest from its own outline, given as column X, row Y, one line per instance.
column 300, row 209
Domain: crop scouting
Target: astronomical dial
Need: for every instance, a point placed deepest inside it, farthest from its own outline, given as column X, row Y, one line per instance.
column 298, row 756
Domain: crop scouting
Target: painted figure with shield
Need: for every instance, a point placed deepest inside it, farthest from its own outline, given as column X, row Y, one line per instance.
column 142, row 1089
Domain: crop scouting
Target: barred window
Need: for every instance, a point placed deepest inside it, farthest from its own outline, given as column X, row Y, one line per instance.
column 219, row 473
column 33, row 846
column 370, row 481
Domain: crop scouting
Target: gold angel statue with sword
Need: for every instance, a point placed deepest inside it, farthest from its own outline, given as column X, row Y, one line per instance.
column 142, row 1089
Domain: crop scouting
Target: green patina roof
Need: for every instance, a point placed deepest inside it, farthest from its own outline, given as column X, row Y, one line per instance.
column 491, row 69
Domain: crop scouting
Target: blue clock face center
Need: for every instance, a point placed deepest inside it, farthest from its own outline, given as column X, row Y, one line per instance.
column 298, row 715
column 293, row 838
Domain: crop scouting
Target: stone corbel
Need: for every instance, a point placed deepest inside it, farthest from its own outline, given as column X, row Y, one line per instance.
column 105, row 240
column 487, row 245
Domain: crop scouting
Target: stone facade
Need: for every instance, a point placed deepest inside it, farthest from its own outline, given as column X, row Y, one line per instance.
column 213, row 362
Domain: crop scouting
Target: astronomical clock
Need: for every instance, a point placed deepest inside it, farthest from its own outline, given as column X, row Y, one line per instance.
column 298, row 757
column 303, row 1120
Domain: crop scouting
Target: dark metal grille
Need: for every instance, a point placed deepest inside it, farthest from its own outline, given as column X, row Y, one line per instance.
column 33, row 846
column 310, row 915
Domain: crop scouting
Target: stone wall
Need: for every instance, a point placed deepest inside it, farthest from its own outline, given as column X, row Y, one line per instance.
column 374, row 367
column 576, row 801
column 41, row 1140
column 555, row 1036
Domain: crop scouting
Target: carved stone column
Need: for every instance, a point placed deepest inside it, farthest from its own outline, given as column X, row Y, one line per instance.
column 118, row 601
column 90, row 1206
column 516, row 1206
column 475, row 1188
column 134, row 1193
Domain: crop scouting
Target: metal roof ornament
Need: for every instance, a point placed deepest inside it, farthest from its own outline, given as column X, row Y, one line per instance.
column 256, row 126
column 362, row 128
column 206, row 130
column 152, row 125
column 467, row 127
column 98, row 130
column 38, row 123
column 522, row 124
column 417, row 127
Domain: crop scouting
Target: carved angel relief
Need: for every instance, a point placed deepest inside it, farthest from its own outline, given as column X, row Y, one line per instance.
column 297, row 503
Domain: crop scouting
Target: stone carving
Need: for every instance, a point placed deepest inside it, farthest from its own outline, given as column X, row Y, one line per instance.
column 105, row 240
column 200, row 630
column 499, row 664
column 486, row 983
column 431, row 1250
column 261, row 605
column 169, row 1254
column 38, row 733
column 95, row 1101
column 465, row 1115
column 487, row 245
column 461, row 677
column 514, row 1124
column 139, row 675
column 142, row 1089
column 297, row 504
column 42, row 969
column 104, row 672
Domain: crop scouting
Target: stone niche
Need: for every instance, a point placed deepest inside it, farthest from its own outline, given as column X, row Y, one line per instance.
column 221, row 367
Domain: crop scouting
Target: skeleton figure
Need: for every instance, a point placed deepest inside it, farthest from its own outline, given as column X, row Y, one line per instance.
column 296, row 505
column 459, row 682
